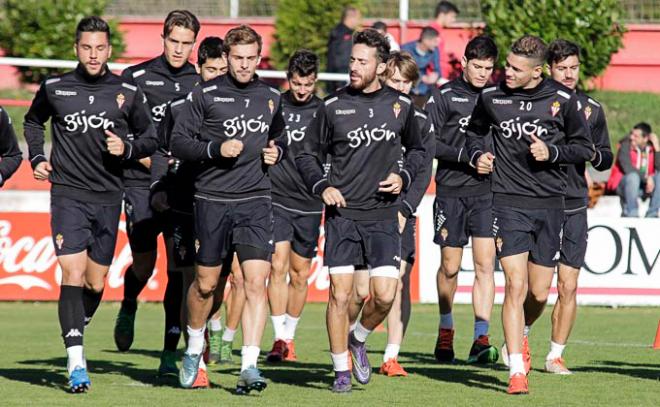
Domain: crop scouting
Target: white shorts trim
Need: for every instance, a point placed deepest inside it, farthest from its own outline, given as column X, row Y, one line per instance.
column 384, row 271
column 341, row 270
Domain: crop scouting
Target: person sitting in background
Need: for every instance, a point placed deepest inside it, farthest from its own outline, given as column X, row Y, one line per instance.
column 426, row 54
column 637, row 171
column 381, row 27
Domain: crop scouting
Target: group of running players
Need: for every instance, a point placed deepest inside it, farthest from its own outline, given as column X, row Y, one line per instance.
column 236, row 176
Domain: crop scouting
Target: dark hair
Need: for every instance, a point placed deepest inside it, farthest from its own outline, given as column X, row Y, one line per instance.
column 242, row 35
column 481, row 47
column 92, row 24
column 379, row 25
column 373, row 39
column 530, row 47
column 428, row 32
column 304, row 63
column 559, row 50
column 210, row 48
column 445, row 7
column 644, row 127
column 181, row 18
column 347, row 10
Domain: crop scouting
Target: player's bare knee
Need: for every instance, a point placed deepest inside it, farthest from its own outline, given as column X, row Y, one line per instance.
column 567, row 289
column 299, row 279
column 95, row 286
column 205, row 287
column 255, row 286
column 383, row 301
column 449, row 271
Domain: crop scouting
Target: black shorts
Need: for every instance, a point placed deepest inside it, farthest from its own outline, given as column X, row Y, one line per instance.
column 408, row 243
column 301, row 229
column 179, row 239
column 574, row 239
column 456, row 219
column 362, row 243
column 537, row 231
column 78, row 226
column 143, row 224
column 220, row 226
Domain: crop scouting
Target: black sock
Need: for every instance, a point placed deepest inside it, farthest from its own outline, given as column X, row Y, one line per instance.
column 172, row 305
column 91, row 302
column 71, row 312
column 132, row 288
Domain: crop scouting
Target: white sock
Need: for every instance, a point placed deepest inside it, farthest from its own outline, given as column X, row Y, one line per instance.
column 228, row 335
column 216, row 325
column 391, row 351
column 480, row 328
column 290, row 327
column 278, row 325
column 195, row 340
column 340, row 361
column 351, row 328
column 556, row 350
column 361, row 333
column 75, row 358
column 446, row 321
column 249, row 356
column 202, row 364
column 526, row 330
column 516, row 364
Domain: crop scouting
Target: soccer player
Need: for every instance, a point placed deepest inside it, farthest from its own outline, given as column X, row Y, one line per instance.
column 172, row 183
column 536, row 126
column 564, row 62
column 10, row 154
column 162, row 79
column 363, row 128
column 401, row 74
column 229, row 127
column 92, row 113
column 463, row 207
column 296, row 212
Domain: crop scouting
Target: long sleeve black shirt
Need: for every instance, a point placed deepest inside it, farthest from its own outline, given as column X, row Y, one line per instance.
column 81, row 108
column 223, row 109
column 363, row 133
column 550, row 112
column 289, row 189
column 449, row 108
column 161, row 84
column 577, row 190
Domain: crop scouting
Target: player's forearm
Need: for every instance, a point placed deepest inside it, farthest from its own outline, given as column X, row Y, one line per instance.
column 312, row 173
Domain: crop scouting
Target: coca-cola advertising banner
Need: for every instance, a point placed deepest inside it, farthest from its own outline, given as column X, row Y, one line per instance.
column 29, row 269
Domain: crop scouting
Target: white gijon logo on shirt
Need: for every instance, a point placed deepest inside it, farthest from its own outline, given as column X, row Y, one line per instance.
column 515, row 127
column 158, row 112
column 362, row 134
column 463, row 122
column 76, row 120
column 238, row 126
column 295, row 135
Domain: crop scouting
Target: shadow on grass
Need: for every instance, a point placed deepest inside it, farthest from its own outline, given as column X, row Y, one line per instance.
column 638, row 370
column 52, row 373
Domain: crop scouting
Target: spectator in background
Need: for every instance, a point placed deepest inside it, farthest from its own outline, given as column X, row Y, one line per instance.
column 637, row 171
column 425, row 52
column 445, row 15
column 340, row 43
column 381, row 27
